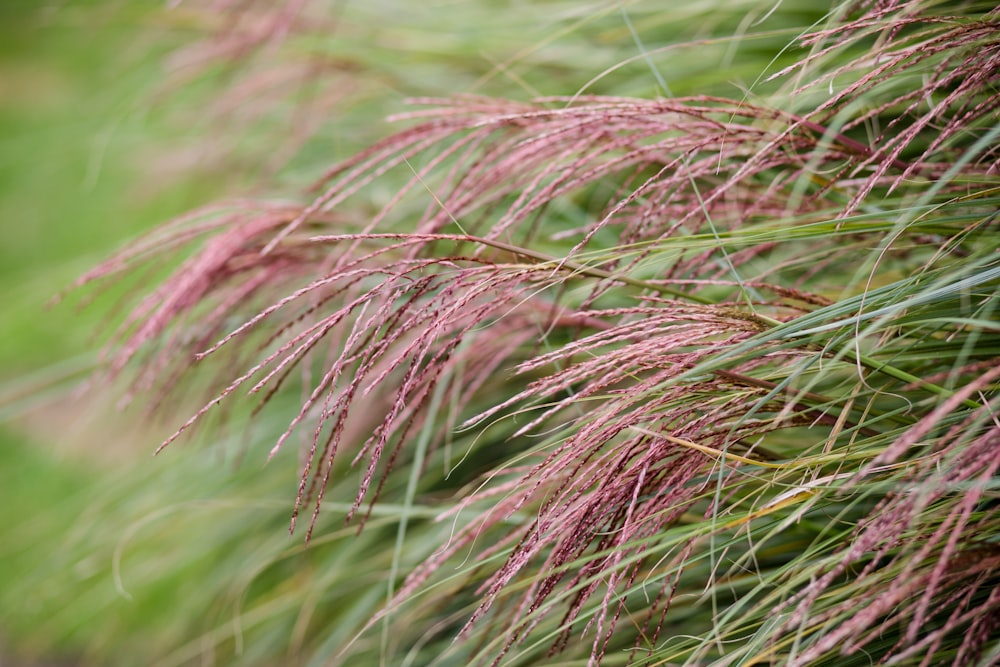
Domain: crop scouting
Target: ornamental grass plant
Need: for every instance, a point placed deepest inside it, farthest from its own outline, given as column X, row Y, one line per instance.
column 671, row 340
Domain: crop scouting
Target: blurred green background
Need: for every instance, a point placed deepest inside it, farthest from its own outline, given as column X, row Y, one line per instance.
column 87, row 160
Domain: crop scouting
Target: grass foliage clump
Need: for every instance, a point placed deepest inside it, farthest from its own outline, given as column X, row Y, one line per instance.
column 684, row 377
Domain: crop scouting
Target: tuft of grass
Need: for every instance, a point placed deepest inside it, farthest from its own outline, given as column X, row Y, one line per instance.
column 686, row 377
